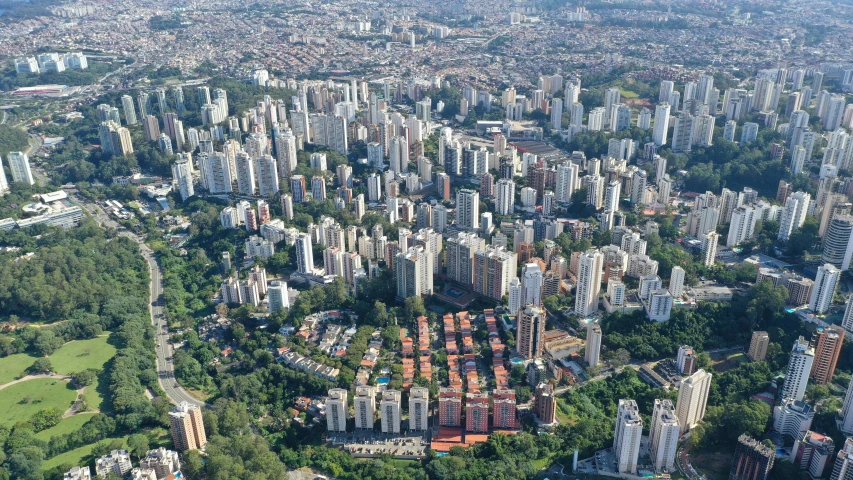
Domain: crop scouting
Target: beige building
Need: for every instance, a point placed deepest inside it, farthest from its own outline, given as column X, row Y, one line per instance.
column 389, row 407
column 187, row 427
column 758, row 346
column 336, row 410
column 692, row 399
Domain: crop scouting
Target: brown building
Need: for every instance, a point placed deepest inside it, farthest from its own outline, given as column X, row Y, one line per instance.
column 799, row 290
column 187, row 427
column 536, row 181
column 545, row 404
column 758, row 346
column 827, row 343
column 753, row 460
column 450, row 407
column 783, row 191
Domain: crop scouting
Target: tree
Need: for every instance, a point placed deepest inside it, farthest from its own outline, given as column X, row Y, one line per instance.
column 84, row 378
column 138, row 445
column 47, row 342
column 222, row 309
column 413, row 308
column 816, row 393
column 41, row 365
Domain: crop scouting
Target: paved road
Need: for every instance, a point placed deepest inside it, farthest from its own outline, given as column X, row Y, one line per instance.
column 165, row 365
column 163, row 349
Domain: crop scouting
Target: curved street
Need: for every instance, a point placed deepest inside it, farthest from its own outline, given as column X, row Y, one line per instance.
column 162, row 347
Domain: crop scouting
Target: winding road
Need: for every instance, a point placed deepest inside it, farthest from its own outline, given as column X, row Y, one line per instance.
column 163, row 349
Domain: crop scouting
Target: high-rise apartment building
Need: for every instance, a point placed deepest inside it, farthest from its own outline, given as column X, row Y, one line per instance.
column 545, row 403
column 530, row 335
column 824, row 288
column 337, row 410
column 468, row 209
column 799, row 369
column 187, row 427
column 365, row 407
column 389, row 409
column 692, row 399
column 449, row 407
column 19, row 164
column 589, row 282
column 663, row 435
column 752, row 461
column 758, row 346
column 593, row 344
column 419, row 409
column 626, row 440
column 827, row 342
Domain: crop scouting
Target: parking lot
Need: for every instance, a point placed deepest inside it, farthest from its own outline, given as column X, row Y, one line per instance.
column 372, row 443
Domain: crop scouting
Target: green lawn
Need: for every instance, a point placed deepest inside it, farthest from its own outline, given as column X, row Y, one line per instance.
column 78, row 456
column 629, row 94
column 95, row 394
column 82, row 355
column 20, row 401
column 157, row 437
column 67, row 425
column 13, row 366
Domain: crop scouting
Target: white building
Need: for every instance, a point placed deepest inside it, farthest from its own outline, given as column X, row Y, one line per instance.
column 663, row 435
column 419, row 409
column 792, row 417
column 505, row 196
column 799, row 368
column 19, row 164
column 365, row 407
column 531, row 285
column 794, row 214
column 589, row 283
column 661, row 123
column 626, row 440
column 660, row 305
column 824, row 288
column 277, row 296
column 117, row 462
column 692, row 399
column 304, row 254
column 593, row 344
column 742, row 226
column 389, row 408
column 676, row 282
column 468, row 209
column 337, row 410
column 846, row 425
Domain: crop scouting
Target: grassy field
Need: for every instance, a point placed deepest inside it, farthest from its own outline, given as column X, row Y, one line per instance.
column 95, row 394
column 78, row 456
column 714, row 465
column 13, row 366
column 722, row 365
column 83, row 456
column 67, row 425
column 82, row 355
column 20, row 401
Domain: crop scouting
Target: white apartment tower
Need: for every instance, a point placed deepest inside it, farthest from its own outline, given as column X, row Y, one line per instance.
column 663, row 435
column 799, row 368
column 794, row 214
column 389, row 409
column 593, row 344
column 626, row 440
column 693, row 398
column 468, row 209
column 589, row 282
column 824, row 288
column 419, row 409
column 661, row 123
column 304, row 254
column 365, row 407
column 337, row 410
